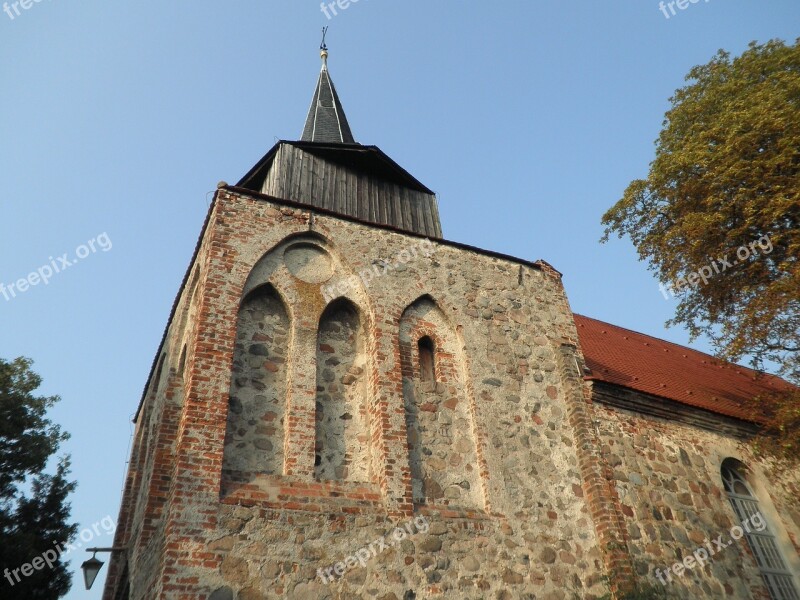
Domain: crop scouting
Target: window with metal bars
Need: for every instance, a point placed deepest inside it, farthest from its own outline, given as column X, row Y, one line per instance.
column 774, row 571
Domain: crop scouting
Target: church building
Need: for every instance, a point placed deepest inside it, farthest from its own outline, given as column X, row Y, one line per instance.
column 346, row 405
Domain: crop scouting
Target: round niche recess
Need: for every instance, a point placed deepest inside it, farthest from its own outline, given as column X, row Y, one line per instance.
column 308, row 263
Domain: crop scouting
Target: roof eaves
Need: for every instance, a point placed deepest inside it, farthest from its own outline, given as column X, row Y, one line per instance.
column 755, row 420
column 265, row 161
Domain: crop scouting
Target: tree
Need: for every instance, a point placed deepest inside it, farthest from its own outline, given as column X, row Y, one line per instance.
column 718, row 216
column 33, row 526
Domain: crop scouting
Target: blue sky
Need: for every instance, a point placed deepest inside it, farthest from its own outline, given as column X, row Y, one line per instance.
column 528, row 119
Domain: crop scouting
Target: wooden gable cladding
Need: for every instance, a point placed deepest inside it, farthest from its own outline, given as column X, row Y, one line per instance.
column 357, row 181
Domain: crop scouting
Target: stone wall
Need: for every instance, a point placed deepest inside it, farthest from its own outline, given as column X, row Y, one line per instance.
column 149, row 489
column 510, row 520
column 443, row 457
column 297, row 435
column 342, row 432
column 257, row 399
column 667, row 477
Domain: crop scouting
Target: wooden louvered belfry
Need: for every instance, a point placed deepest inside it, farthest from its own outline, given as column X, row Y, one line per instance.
column 328, row 169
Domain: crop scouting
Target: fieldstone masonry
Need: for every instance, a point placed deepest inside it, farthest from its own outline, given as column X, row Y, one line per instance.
column 257, row 398
column 342, row 435
column 439, row 414
column 667, row 477
column 299, row 429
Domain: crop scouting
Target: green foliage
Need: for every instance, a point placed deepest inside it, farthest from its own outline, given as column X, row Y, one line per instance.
column 780, row 437
column 31, row 523
column 727, row 174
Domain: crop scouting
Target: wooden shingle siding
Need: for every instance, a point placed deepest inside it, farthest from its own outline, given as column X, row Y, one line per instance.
column 303, row 177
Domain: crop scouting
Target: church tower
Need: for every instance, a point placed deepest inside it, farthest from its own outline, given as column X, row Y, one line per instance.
column 342, row 400
column 345, row 405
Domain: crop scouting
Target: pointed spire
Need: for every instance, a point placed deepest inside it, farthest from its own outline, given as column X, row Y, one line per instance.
column 326, row 121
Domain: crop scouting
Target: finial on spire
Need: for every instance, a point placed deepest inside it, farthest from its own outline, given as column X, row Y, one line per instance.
column 326, row 121
column 324, row 48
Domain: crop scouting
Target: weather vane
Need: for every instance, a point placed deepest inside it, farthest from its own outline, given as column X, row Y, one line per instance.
column 323, row 45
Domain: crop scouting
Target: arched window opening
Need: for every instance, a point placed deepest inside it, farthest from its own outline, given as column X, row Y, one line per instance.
column 761, row 540
column 182, row 362
column 427, row 362
column 156, row 384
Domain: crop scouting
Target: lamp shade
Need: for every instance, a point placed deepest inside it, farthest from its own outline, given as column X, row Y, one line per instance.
column 91, row 568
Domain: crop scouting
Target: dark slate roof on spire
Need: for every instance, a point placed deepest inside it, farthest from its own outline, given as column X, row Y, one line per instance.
column 326, row 120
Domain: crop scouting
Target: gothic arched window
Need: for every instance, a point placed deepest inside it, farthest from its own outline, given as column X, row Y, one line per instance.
column 427, row 361
column 776, row 574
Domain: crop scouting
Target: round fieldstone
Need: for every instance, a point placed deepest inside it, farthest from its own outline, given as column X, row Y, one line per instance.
column 234, row 569
column 310, row 591
column 430, row 544
column 251, row 594
column 548, row 556
column 437, row 464
column 512, row 577
column 453, row 492
column 470, row 563
column 259, row 350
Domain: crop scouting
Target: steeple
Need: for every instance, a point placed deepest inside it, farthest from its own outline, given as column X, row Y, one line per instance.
column 329, row 170
column 326, row 120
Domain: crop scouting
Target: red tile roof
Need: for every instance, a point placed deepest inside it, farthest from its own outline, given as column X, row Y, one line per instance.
column 660, row 368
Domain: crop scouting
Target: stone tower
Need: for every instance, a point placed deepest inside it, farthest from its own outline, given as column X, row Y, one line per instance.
column 346, row 405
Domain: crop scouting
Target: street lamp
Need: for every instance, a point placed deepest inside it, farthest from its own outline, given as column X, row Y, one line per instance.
column 92, row 566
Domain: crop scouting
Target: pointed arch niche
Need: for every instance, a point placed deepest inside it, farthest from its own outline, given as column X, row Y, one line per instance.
column 443, row 456
column 254, row 439
column 341, row 448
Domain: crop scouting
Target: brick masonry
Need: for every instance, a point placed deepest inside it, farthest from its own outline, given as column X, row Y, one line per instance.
column 284, row 430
